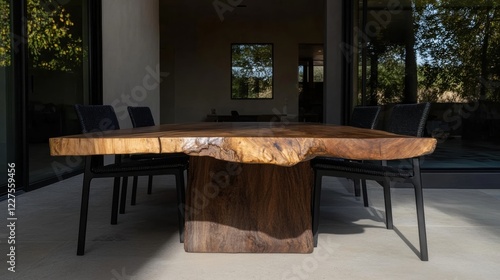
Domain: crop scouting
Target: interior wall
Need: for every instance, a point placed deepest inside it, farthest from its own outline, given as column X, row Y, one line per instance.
column 196, row 52
column 131, row 56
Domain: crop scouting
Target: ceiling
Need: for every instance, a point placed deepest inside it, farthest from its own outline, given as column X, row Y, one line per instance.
column 246, row 9
column 388, row 24
column 311, row 52
column 394, row 31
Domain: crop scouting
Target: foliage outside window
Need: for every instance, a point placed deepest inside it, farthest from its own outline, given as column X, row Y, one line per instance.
column 318, row 71
column 52, row 46
column 251, row 71
column 301, row 73
column 5, row 34
column 457, row 45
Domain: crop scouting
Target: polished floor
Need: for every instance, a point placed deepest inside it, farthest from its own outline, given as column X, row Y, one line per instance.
column 463, row 229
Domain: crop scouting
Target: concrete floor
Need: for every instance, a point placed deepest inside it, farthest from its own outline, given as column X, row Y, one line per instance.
column 463, row 228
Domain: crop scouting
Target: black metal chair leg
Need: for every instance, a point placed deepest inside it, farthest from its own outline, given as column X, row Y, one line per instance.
column 419, row 200
column 150, row 184
column 181, row 198
column 91, row 118
column 357, row 192
column 123, row 201
column 114, row 203
column 134, row 191
column 83, row 215
column 315, row 206
column 422, row 236
column 365, row 193
column 388, row 204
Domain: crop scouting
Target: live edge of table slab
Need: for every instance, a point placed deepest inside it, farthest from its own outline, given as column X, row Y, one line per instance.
column 249, row 184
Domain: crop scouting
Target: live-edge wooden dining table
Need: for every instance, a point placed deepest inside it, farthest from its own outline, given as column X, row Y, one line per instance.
column 249, row 184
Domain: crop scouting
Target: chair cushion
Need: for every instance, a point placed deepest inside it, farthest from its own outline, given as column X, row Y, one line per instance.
column 335, row 164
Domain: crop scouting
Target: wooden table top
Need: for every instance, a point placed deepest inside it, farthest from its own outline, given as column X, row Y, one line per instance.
column 283, row 144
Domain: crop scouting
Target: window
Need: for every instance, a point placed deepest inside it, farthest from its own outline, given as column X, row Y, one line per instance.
column 318, row 73
column 7, row 128
column 57, row 70
column 446, row 53
column 49, row 71
column 252, row 71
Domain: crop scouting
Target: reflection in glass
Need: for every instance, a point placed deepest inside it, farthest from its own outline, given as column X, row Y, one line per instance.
column 5, row 31
column 251, row 71
column 6, row 151
column 318, row 73
column 446, row 53
column 301, row 73
column 58, row 79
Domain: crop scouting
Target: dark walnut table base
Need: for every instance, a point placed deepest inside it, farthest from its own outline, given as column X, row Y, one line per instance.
column 248, row 208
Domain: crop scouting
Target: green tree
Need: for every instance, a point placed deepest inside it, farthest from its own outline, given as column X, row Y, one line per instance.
column 51, row 43
column 252, row 70
column 459, row 42
column 4, row 33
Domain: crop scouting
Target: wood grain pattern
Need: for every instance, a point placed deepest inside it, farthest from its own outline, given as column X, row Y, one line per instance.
column 248, row 208
column 271, row 143
column 264, row 204
column 123, row 141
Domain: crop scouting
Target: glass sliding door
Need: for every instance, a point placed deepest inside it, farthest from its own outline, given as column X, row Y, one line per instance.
column 57, row 78
column 45, row 51
column 7, row 134
column 445, row 52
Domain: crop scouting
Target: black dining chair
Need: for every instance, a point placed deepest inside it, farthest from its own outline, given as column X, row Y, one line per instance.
column 94, row 120
column 362, row 117
column 405, row 119
column 142, row 117
column 365, row 116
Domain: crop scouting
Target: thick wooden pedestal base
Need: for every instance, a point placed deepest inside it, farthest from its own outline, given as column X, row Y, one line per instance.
column 248, row 208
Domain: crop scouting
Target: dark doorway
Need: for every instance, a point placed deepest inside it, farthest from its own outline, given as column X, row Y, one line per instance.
column 311, row 74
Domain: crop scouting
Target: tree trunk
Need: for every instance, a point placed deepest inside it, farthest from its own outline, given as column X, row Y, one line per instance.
column 410, row 92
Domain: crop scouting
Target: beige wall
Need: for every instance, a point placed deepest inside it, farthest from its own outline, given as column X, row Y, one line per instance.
column 131, row 56
column 195, row 51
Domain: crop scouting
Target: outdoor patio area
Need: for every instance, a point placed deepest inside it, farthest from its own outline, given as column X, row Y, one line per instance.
column 463, row 228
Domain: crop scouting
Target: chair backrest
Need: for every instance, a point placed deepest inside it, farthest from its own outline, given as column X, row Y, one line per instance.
column 141, row 116
column 365, row 116
column 409, row 119
column 96, row 118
